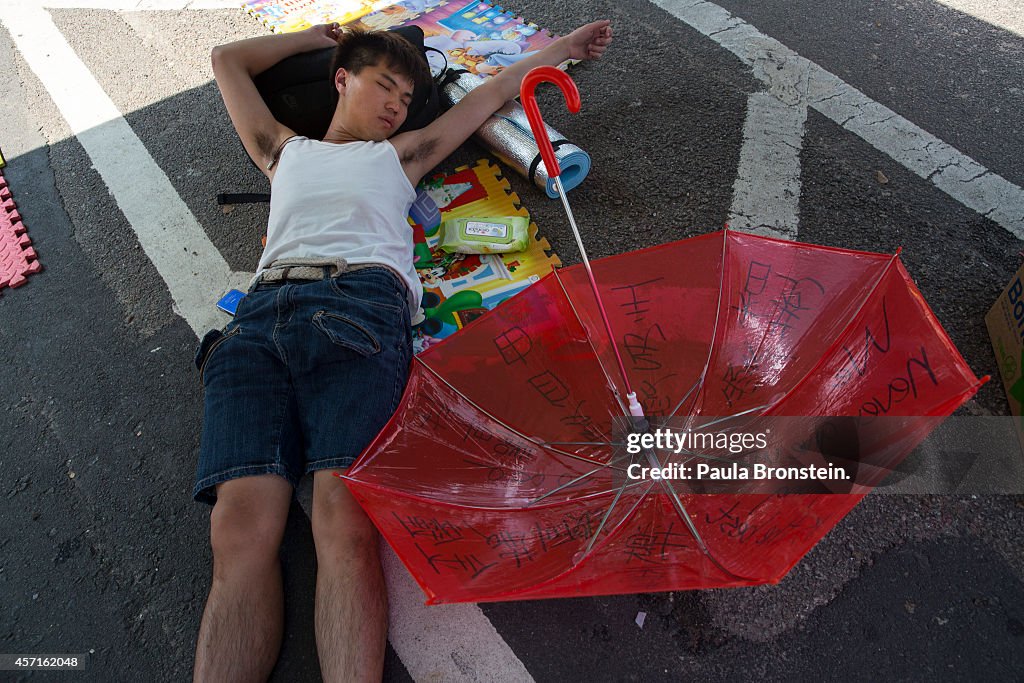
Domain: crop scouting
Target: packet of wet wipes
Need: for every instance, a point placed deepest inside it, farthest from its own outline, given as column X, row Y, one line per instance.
column 485, row 235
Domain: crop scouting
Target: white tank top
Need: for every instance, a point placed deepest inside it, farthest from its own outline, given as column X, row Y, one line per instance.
column 345, row 201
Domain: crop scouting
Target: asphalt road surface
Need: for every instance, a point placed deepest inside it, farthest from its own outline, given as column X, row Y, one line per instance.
column 805, row 120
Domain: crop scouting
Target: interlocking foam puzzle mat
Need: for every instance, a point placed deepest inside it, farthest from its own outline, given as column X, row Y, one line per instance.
column 17, row 257
column 476, row 36
column 458, row 288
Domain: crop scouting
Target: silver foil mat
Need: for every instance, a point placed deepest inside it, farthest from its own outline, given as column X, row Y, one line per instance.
column 507, row 134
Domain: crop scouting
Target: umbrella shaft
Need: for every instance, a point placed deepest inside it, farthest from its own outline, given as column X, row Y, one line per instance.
column 593, row 282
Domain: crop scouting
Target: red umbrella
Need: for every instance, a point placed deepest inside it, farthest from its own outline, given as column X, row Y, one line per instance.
column 498, row 478
column 471, row 480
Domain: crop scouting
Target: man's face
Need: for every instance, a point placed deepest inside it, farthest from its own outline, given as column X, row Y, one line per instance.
column 375, row 101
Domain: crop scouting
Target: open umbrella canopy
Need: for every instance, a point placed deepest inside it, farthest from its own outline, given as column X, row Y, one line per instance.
column 498, row 477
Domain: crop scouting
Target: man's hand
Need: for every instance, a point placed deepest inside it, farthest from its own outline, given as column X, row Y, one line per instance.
column 445, row 134
column 326, row 35
column 590, row 41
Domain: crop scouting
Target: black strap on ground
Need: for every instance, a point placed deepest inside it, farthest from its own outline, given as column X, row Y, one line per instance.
column 242, row 198
column 537, row 159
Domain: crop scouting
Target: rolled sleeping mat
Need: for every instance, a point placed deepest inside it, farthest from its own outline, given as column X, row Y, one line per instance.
column 507, row 134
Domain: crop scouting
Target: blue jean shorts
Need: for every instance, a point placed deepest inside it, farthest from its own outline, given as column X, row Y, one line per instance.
column 303, row 378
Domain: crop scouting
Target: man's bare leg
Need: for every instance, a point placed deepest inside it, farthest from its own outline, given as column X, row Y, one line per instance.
column 240, row 635
column 351, row 598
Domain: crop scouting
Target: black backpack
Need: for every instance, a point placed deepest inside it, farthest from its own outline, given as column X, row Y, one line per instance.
column 299, row 94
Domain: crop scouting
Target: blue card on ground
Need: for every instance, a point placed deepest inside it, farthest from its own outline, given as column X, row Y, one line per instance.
column 229, row 302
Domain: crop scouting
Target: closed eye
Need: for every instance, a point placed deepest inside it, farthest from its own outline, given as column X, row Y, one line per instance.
column 388, row 84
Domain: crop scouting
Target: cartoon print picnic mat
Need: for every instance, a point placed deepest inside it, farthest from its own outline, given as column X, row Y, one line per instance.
column 476, row 36
column 458, row 288
column 287, row 16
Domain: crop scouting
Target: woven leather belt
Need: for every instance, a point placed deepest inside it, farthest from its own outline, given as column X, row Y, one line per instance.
column 306, row 269
column 321, row 269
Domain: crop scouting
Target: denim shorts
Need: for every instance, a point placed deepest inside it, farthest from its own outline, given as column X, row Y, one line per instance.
column 303, row 378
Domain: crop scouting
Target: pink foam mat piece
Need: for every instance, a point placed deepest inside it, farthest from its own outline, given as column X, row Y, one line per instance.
column 17, row 257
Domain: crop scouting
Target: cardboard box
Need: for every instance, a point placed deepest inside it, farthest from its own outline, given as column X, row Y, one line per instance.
column 1005, row 324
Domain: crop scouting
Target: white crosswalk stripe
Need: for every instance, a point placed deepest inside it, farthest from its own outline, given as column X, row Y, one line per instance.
column 798, row 83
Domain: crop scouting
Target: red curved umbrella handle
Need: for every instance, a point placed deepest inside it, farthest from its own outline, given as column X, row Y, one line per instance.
column 531, row 80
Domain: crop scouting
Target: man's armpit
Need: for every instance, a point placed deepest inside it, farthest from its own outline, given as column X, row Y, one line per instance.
column 420, row 152
column 267, row 147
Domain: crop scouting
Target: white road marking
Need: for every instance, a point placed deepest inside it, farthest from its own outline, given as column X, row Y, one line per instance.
column 163, row 223
column 955, row 173
column 1005, row 15
column 443, row 643
column 766, row 194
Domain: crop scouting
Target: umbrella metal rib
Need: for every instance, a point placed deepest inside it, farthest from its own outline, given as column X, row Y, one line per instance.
column 593, row 286
column 502, row 423
column 849, row 323
column 714, row 330
column 696, row 386
column 580, row 478
column 597, row 356
column 580, row 556
column 680, row 509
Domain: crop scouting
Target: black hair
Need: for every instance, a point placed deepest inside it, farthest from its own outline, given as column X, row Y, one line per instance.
column 358, row 49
